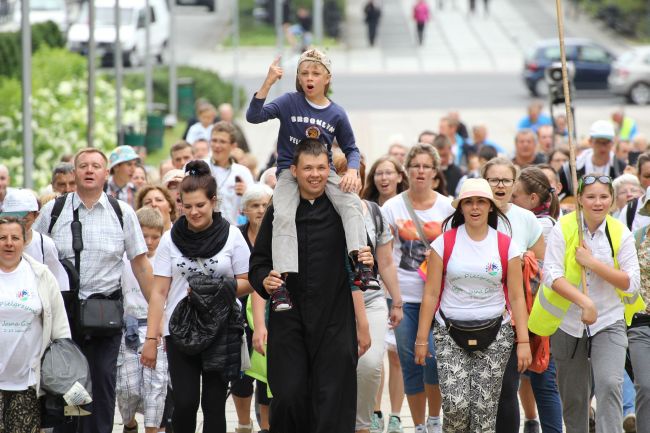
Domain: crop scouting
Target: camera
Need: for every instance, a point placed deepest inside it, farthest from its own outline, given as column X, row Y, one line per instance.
column 553, row 77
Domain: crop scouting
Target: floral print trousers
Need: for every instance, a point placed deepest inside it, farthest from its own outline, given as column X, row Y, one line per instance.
column 20, row 411
column 470, row 382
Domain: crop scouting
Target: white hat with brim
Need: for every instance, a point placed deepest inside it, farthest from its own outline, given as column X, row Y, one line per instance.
column 474, row 188
column 602, row 129
column 18, row 203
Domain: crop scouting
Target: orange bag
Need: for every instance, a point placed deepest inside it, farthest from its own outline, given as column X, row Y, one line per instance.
column 539, row 346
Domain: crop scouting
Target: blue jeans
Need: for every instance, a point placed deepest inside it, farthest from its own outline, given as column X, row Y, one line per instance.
column 629, row 395
column 547, row 397
column 415, row 376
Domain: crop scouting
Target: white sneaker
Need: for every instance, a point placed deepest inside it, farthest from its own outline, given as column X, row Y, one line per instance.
column 434, row 426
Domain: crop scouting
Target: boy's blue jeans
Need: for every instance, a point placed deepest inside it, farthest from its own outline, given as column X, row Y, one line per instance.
column 286, row 198
column 547, row 396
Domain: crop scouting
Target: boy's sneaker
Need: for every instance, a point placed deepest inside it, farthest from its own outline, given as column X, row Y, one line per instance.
column 376, row 423
column 365, row 279
column 394, row 425
column 434, row 426
column 280, row 300
column 592, row 420
column 629, row 423
column 531, row 426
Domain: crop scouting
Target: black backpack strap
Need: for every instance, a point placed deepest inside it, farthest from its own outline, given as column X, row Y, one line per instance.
column 609, row 239
column 632, row 206
column 116, row 207
column 59, row 202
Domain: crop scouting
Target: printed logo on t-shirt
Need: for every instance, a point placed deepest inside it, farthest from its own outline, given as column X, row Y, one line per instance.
column 23, row 295
column 312, row 132
column 412, row 248
column 493, row 269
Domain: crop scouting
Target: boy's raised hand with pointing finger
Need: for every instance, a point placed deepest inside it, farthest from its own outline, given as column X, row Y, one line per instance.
column 274, row 74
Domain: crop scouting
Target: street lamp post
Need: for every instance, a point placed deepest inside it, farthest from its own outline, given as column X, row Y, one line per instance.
column 173, row 82
column 235, row 42
column 28, row 145
column 318, row 22
column 117, row 60
column 279, row 31
column 90, row 131
column 148, row 79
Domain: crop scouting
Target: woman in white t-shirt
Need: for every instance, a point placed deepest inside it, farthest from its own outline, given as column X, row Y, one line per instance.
column 201, row 241
column 526, row 231
column 32, row 312
column 473, row 290
column 409, row 251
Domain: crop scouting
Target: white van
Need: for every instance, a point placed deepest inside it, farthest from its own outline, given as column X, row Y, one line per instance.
column 132, row 30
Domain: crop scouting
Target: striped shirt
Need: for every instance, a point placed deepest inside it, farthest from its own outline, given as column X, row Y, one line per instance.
column 104, row 241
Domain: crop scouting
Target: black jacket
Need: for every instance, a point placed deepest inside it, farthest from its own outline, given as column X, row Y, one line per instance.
column 208, row 322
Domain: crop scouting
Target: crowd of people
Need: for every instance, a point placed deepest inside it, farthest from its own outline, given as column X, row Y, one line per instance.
column 285, row 287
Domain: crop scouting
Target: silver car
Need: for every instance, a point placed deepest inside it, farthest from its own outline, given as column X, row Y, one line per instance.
column 630, row 76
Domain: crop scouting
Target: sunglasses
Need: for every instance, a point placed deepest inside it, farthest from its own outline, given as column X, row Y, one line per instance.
column 590, row 180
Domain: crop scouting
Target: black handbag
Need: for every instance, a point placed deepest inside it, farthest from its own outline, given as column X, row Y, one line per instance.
column 473, row 335
column 101, row 315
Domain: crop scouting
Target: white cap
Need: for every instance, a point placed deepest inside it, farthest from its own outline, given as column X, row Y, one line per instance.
column 19, row 202
column 602, row 129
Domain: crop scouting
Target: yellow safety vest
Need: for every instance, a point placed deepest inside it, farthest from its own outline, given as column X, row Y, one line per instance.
column 626, row 128
column 549, row 307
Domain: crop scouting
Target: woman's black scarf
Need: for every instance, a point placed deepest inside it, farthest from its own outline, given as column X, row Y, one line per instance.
column 203, row 244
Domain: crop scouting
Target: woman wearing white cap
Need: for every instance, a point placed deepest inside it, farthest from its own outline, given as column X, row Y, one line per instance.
column 22, row 204
column 479, row 296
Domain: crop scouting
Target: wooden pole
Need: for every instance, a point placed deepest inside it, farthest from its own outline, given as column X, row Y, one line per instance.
column 569, row 116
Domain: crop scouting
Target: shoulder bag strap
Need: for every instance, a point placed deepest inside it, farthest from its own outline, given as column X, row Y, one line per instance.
column 42, row 248
column 416, row 220
column 201, row 263
column 116, row 207
column 504, row 245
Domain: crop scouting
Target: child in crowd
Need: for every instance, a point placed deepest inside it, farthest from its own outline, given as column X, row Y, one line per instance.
column 202, row 129
column 140, row 389
column 309, row 113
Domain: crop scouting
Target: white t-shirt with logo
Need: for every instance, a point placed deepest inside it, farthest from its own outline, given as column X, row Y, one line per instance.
column 473, row 283
column 21, row 328
column 230, row 261
column 408, row 250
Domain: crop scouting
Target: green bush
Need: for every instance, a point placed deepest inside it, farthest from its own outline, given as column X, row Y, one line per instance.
column 207, row 84
column 43, row 34
column 59, row 109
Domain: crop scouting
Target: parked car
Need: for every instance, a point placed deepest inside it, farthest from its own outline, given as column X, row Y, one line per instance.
column 630, row 76
column 210, row 4
column 132, row 30
column 592, row 64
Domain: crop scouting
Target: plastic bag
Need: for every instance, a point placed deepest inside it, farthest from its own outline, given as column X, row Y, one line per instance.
column 65, row 372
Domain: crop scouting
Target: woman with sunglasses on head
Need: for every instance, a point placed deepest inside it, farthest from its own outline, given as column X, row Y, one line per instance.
column 409, row 251
column 474, row 290
column 525, row 231
column 533, row 192
column 592, row 323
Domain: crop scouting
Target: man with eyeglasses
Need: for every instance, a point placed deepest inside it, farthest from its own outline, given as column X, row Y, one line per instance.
column 599, row 159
